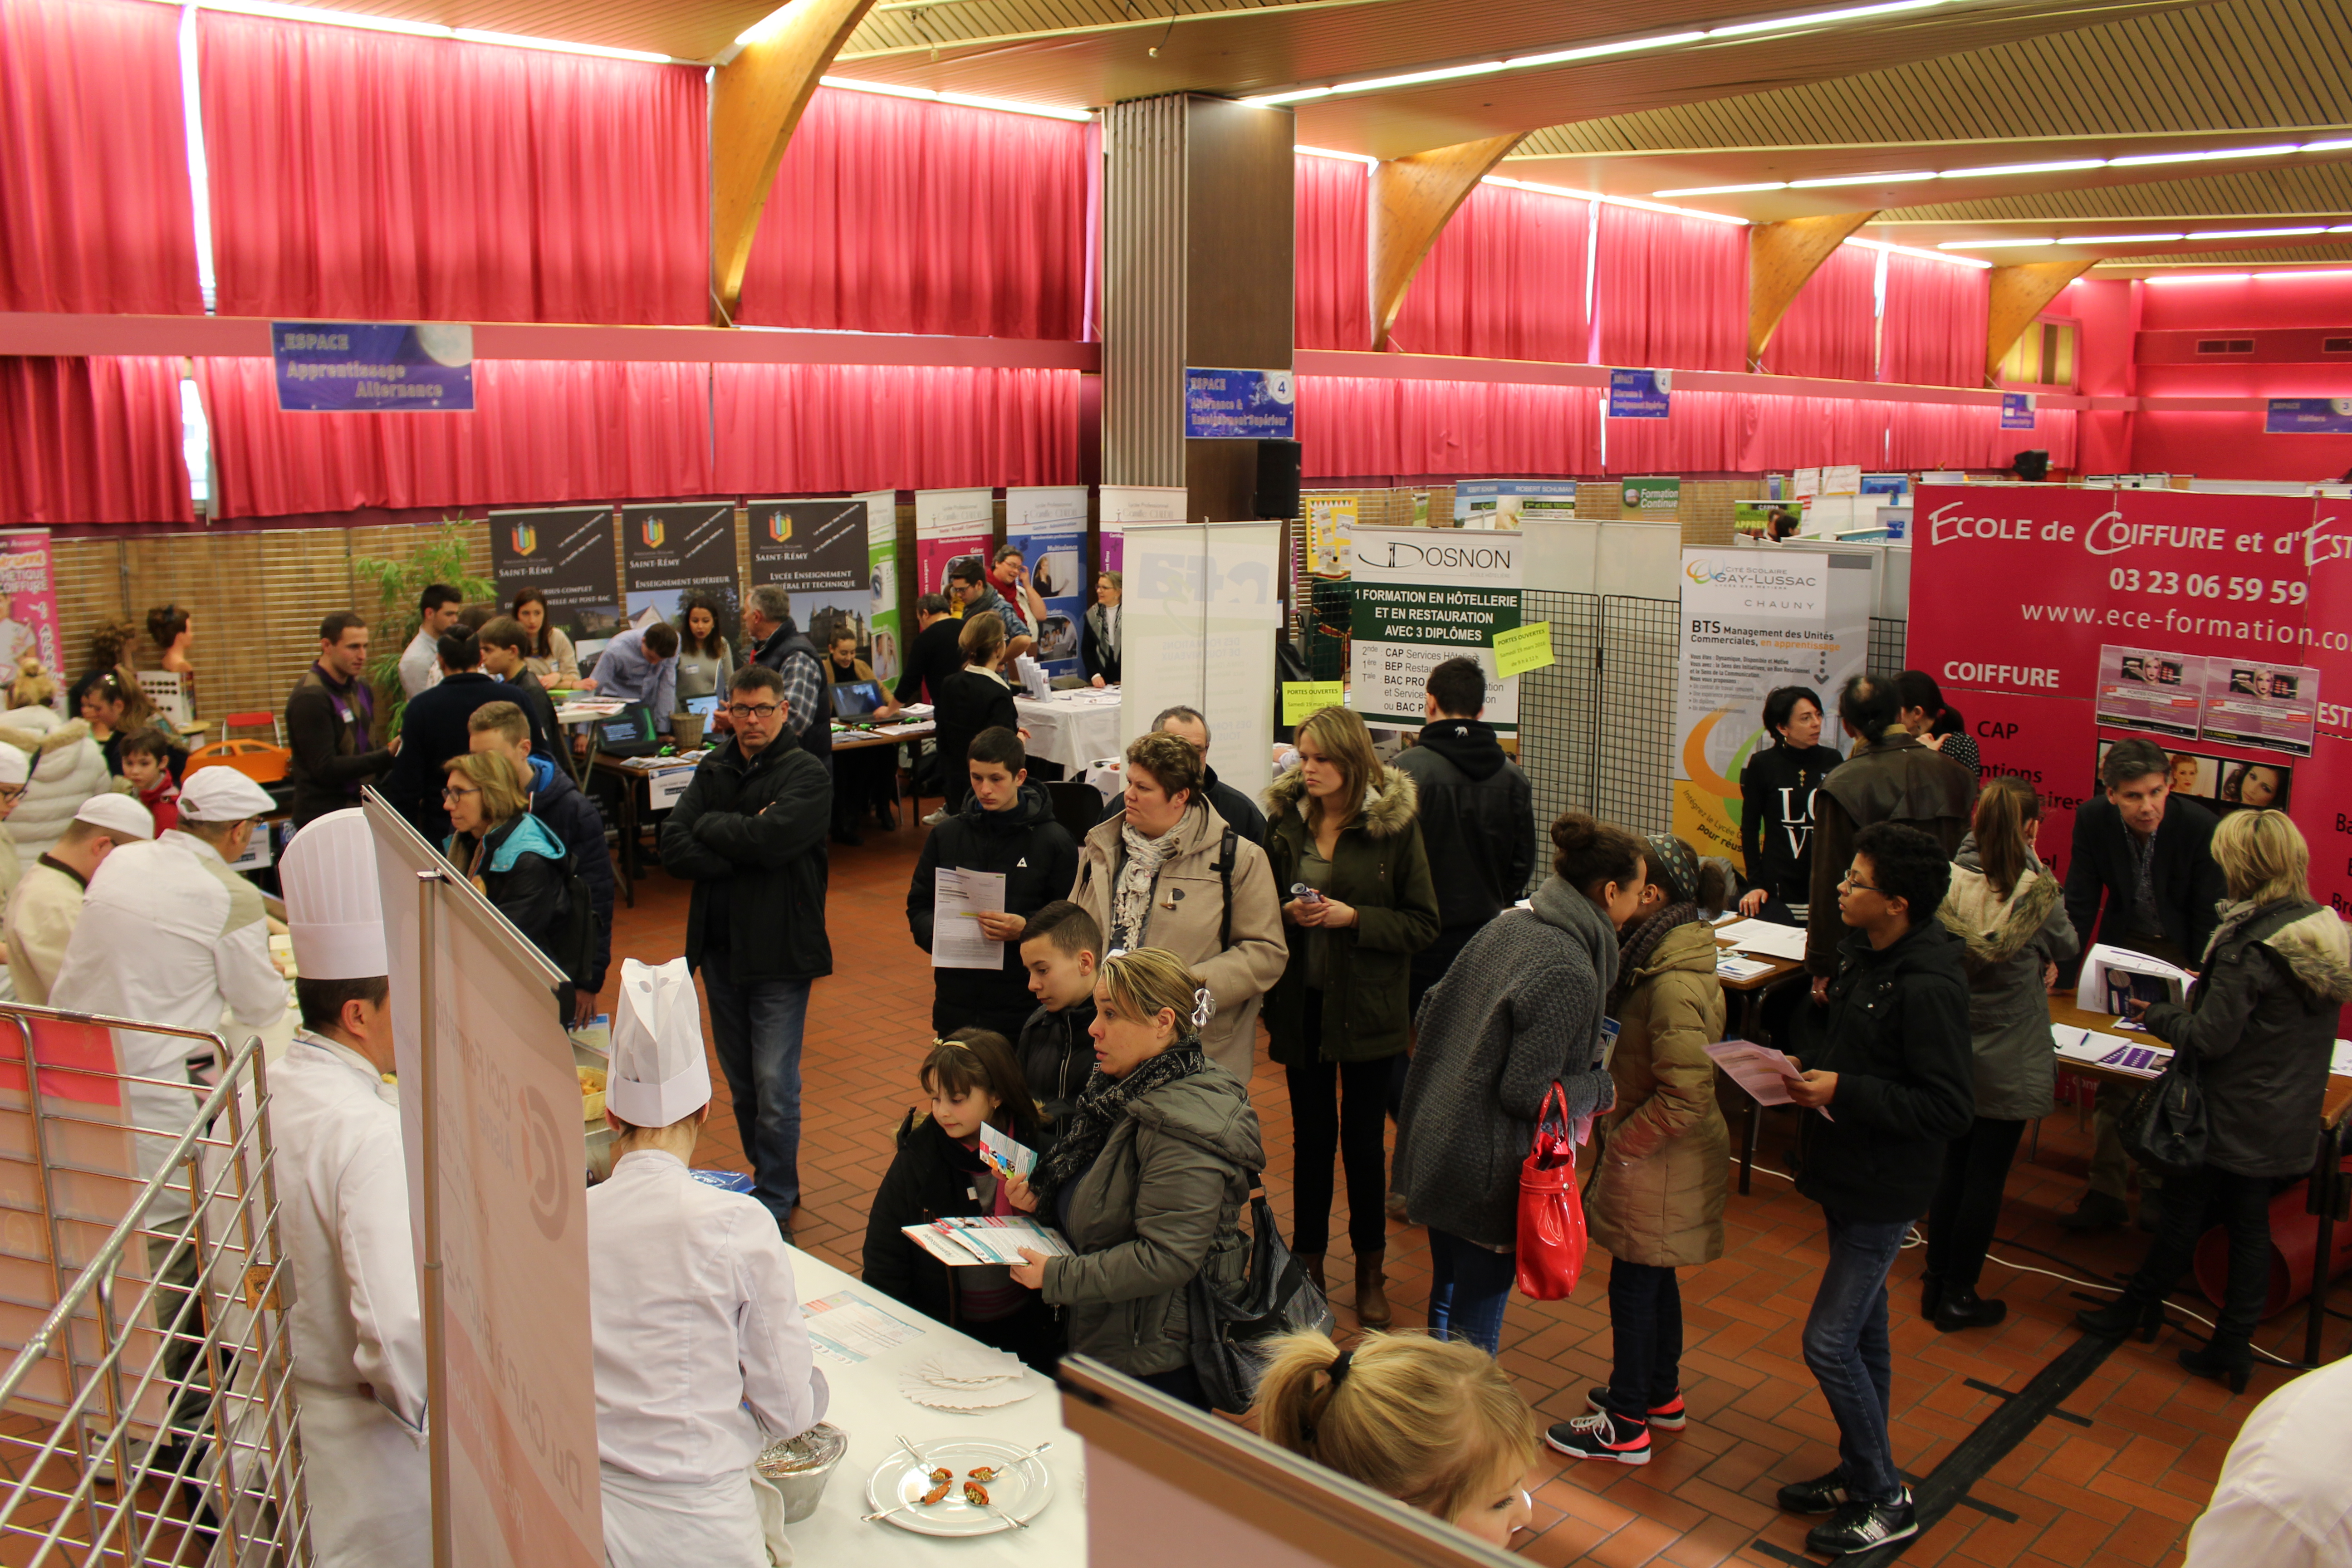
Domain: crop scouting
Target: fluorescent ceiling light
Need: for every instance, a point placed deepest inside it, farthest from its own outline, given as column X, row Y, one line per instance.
column 1816, row 18
column 332, row 18
column 521, row 41
column 1271, row 99
column 2142, row 159
column 2116, row 238
column 1990, row 244
column 2062, row 166
column 1944, row 256
column 2338, row 145
column 963, row 99
column 1576, row 195
column 1725, row 189
column 1413, row 79
column 1365, row 158
column 1593, row 51
column 1863, row 180
column 2252, row 232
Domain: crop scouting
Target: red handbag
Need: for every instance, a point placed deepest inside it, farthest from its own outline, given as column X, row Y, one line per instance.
column 1551, row 1212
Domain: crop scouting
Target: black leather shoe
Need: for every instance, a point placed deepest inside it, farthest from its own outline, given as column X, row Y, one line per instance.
column 1931, row 1294
column 2097, row 1211
column 1967, row 1309
column 2122, row 1315
column 1823, row 1494
column 1860, row 1526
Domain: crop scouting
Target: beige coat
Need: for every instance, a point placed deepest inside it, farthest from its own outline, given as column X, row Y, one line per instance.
column 1187, row 909
column 1660, row 1162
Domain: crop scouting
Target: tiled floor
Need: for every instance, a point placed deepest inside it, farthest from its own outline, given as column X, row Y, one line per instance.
column 2113, row 1476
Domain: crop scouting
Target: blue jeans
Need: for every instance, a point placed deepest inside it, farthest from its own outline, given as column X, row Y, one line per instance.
column 756, row 1030
column 1468, row 1289
column 1846, row 1346
column 1645, row 1320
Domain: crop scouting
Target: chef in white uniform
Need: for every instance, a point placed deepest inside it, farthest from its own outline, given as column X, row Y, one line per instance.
column 342, row 1195
column 702, row 1357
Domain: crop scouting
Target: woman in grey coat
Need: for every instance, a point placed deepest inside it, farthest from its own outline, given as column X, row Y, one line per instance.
column 2004, row 905
column 1519, row 1012
column 1148, row 1177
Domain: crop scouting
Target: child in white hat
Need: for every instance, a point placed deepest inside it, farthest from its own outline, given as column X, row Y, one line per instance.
column 702, row 1357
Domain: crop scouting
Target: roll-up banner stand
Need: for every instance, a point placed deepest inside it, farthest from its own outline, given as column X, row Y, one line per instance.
column 882, row 580
column 1119, row 505
column 1422, row 597
column 1048, row 525
column 1203, row 608
column 566, row 554
column 951, row 525
column 817, row 551
column 670, row 550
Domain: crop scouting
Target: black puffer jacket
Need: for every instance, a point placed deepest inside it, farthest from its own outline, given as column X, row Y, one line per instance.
column 1038, row 860
column 751, row 835
column 2262, row 1022
column 1897, row 1037
column 932, row 1177
column 1057, row 1057
column 1477, row 820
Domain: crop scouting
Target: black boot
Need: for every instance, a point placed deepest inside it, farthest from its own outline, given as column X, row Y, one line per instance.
column 1931, row 1294
column 2226, row 1358
column 1967, row 1309
column 2127, row 1314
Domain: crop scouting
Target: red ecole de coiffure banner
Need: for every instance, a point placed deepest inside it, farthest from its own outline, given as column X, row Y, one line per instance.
column 2060, row 620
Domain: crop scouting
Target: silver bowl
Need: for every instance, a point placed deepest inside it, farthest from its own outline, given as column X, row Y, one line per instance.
column 799, row 1467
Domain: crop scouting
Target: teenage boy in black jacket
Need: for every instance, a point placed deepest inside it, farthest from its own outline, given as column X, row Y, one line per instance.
column 1477, row 818
column 1060, row 949
column 1895, row 1070
column 1006, row 825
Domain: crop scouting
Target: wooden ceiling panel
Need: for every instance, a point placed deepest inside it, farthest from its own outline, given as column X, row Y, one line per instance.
column 688, row 29
column 2294, row 190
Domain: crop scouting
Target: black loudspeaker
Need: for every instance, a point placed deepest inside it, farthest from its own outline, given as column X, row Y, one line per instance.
column 1278, row 480
column 2030, row 467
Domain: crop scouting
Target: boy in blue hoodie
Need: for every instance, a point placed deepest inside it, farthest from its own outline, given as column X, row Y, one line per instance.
column 500, row 728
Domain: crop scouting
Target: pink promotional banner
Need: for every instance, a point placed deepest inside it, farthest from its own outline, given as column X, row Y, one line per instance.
column 2061, row 621
column 29, row 601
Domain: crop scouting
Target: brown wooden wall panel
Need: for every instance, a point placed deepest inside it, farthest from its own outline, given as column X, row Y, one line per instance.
column 1241, row 180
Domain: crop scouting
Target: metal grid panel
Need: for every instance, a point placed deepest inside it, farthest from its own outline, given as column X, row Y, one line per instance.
column 1559, row 709
column 1332, row 613
column 1640, row 652
column 1887, row 639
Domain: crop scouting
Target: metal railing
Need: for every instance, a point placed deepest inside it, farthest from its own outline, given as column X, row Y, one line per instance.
column 147, row 1417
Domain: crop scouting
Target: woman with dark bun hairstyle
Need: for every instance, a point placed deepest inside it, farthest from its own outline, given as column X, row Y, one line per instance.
column 1938, row 727
column 1519, row 1012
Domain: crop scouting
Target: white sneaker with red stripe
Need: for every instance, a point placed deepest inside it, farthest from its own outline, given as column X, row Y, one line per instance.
column 1602, row 1435
column 1671, row 1416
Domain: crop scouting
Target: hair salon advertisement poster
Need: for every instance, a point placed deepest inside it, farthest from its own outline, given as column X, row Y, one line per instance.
column 817, row 551
column 671, row 551
column 2219, row 627
column 566, row 555
column 1752, row 621
column 951, row 525
column 29, row 601
column 1048, row 525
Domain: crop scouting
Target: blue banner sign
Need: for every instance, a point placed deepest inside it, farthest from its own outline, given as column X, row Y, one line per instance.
column 2308, row 416
column 1248, row 405
column 375, row 367
column 2017, row 411
column 1639, row 395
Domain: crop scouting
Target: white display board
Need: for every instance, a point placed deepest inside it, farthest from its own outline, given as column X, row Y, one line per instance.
column 1203, row 608
column 1115, row 506
column 514, row 1413
column 1424, row 596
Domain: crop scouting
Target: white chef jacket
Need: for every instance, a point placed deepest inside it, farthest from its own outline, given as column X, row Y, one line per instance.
column 342, row 1228
column 168, row 934
column 41, row 916
column 420, row 663
column 2282, row 1501
column 702, row 1356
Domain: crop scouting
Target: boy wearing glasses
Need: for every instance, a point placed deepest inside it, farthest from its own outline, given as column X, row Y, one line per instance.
column 751, row 834
column 1893, row 1079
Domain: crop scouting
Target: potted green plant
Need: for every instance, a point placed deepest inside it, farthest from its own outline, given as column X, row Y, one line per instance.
column 441, row 554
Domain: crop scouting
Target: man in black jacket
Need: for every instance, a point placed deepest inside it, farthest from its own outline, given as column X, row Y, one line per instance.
column 1006, row 827
column 934, row 654
column 777, row 644
column 330, row 716
column 1477, row 818
column 433, row 730
column 1240, row 812
column 1060, row 947
column 1894, row 1069
column 555, row 800
column 750, row 831
column 2141, row 875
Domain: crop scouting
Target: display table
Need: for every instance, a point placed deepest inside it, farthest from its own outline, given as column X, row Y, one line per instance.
column 658, row 782
column 1750, row 994
column 848, row 738
column 867, row 1405
column 1072, row 728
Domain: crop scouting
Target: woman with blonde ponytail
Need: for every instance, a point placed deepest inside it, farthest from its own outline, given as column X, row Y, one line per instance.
column 2005, row 908
column 1434, row 1423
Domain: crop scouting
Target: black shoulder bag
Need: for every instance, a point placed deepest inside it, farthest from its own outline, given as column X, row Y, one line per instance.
column 1229, row 1328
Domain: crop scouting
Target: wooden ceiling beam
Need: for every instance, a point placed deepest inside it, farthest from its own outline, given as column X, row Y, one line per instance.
column 2017, row 296
column 756, row 103
column 1781, row 258
column 1412, row 200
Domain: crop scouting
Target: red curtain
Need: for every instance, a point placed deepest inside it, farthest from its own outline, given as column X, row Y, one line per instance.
column 94, row 206
column 374, row 176
column 799, row 427
column 1779, row 432
column 1954, row 436
column 1505, row 280
column 889, row 214
column 543, row 431
column 1829, row 327
column 1935, row 329
column 1670, row 291
column 1701, row 436
column 1329, row 260
column 92, row 440
column 1364, row 426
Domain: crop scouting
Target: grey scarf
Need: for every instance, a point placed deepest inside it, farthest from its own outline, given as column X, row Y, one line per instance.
column 1556, row 903
column 1131, row 898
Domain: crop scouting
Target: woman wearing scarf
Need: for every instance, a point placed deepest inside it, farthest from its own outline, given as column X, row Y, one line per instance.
column 1655, row 1193
column 1158, row 875
column 1148, row 1178
column 1519, row 1012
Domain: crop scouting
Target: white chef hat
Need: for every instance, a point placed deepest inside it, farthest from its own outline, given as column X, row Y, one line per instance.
column 659, row 1073
column 221, row 793
column 15, row 767
column 334, row 909
column 118, row 815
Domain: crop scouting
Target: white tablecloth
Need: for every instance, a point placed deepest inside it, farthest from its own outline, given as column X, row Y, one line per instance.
column 1072, row 728
column 868, row 1406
